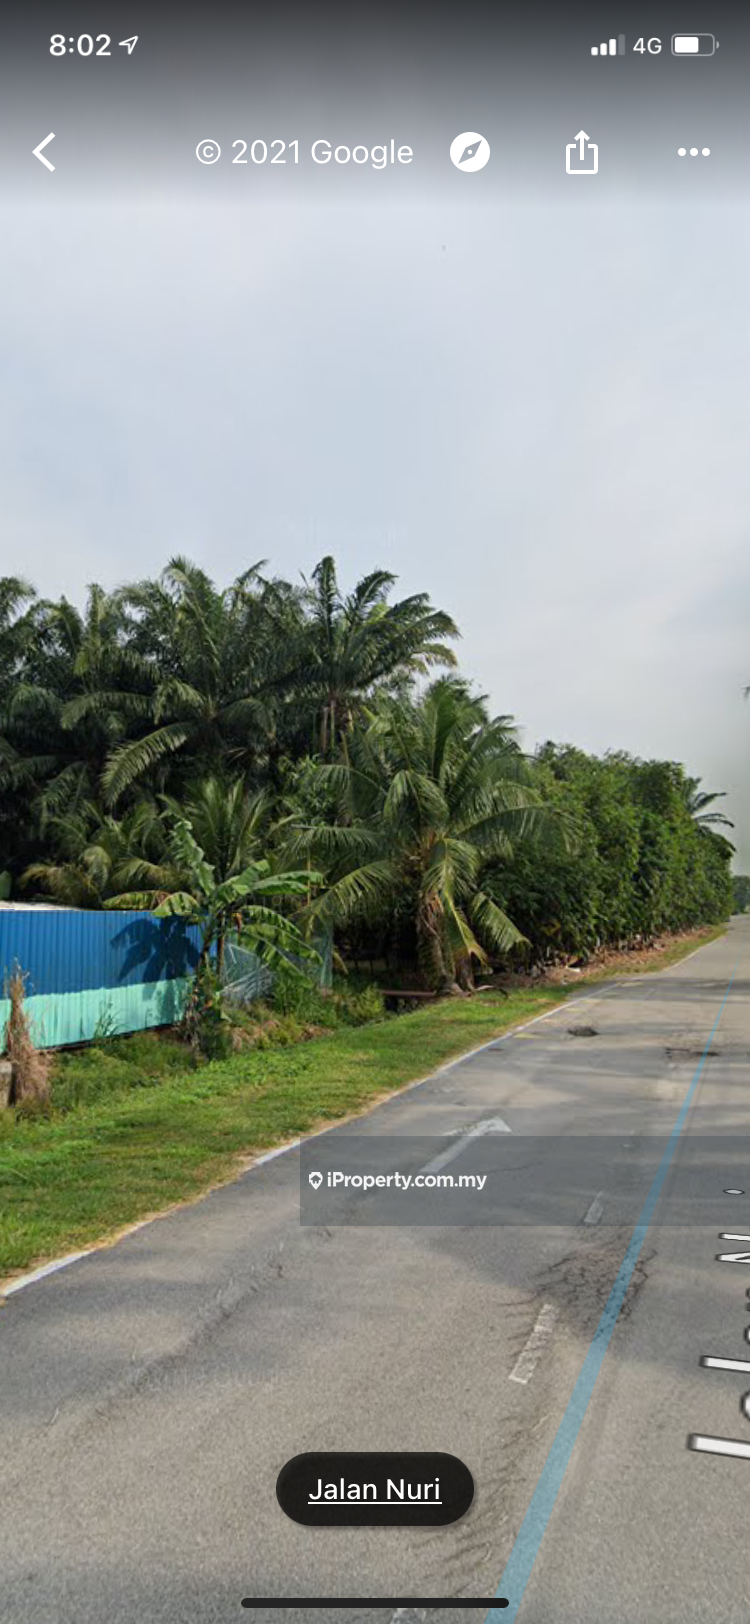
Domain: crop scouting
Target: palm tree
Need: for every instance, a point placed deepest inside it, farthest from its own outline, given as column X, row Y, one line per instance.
column 15, row 595
column 231, row 825
column 95, row 854
column 697, row 801
column 425, row 798
column 352, row 644
column 70, row 703
column 206, row 653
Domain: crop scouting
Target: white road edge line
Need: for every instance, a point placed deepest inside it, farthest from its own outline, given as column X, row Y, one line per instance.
column 62, row 1263
column 532, row 1351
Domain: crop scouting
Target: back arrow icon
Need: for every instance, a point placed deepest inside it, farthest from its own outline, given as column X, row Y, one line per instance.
column 37, row 153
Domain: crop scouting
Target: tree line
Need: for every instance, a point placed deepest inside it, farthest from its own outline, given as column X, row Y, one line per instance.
column 280, row 757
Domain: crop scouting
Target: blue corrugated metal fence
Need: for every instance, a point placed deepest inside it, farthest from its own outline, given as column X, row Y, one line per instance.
column 89, row 973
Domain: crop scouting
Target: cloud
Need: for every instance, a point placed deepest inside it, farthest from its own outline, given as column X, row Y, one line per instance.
column 516, row 409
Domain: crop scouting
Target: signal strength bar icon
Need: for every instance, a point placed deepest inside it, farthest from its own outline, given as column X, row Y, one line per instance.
column 616, row 47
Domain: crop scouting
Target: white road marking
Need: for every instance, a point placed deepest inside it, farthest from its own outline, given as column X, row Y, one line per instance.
column 47, row 1268
column 719, row 1446
column 490, row 1125
column 723, row 1237
column 710, row 1363
column 595, row 1210
column 281, row 1150
column 530, row 1354
column 71, row 1257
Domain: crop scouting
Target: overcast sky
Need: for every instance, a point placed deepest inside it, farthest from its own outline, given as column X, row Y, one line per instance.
column 538, row 415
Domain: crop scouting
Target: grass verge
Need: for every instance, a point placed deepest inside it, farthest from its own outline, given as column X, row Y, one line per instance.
column 68, row 1181
column 121, row 1153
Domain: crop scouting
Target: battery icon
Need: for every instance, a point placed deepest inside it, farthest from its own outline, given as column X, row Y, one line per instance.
column 693, row 44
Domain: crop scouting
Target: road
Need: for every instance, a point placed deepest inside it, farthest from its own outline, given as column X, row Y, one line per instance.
column 151, row 1392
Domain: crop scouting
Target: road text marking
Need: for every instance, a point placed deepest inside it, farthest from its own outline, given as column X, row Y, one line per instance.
column 532, row 1351
column 491, row 1125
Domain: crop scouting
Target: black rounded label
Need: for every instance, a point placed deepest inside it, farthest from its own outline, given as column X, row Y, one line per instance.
column 354, row 1488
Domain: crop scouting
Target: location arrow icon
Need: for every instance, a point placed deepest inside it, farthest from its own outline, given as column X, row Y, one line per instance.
column 37, row 153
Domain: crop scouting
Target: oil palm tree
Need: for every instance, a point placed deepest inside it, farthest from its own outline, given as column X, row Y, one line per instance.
column 209, row 685
column 94, row 854
column 424, row 799
column 352, row 643
column 698, row 801
column 16, row 595
column 74, row 697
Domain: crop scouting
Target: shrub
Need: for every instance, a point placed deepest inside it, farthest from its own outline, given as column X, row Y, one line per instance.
column 360, row 1007
column 206, row 1023
column 295, row 995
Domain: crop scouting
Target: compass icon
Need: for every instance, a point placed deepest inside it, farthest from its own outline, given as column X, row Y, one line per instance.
column 470, row 151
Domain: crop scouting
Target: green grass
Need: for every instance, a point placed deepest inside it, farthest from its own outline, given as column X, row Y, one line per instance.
column 71, row 1179
column 114, row 1066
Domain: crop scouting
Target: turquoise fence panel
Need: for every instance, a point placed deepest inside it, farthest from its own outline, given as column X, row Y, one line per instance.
column 95, row 974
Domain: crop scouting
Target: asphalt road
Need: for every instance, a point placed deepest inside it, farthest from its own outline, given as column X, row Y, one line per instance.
column 151, row 1393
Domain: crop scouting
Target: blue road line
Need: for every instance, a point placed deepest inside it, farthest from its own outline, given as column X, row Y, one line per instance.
column 531, row 1533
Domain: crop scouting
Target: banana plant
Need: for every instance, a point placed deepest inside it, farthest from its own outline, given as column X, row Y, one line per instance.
column 242, row 904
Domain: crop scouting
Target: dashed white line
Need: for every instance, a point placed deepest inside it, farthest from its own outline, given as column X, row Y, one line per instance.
column 719, row 1446
column 595, row 1210
column 530, row 1354
column 710, row 1363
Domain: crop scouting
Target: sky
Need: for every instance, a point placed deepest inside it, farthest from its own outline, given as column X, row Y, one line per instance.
column 523, row 393
column 538, row 415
